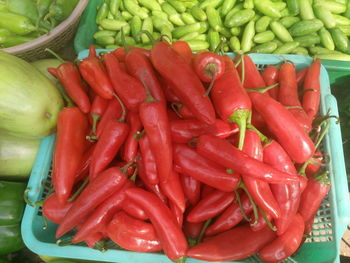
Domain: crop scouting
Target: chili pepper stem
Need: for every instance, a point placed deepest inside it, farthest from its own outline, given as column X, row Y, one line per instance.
column 134, row 175
column 268, row 222
column 255, row 208
column 54, row 54
column 265, row 140
column 139, row 134
column 204, row 227
column 80, row 189
column 127, row 49
column 238, row 198
column 95, row 119
column 28, row 202
column 66, row 98
column 180, row 260
column 240, row 117
column 263, row 90
column 150, row 36
column 100, row 245
column 322, row 134
column 64, row 242
column 122, row 118
column 210, row 85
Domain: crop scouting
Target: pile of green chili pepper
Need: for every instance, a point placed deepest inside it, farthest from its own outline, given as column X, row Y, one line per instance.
column 25, row 20
column 319, row 28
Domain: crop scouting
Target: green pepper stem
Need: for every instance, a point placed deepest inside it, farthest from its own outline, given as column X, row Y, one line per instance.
column 55, row 55
column 264, row 139
column 124, row 168
column 205, row 226
column 95, row 119
column 122, row 118
column 127, row 49
column 100, row 245
column 150, row 36
column 139, row 134
column 220, row 46
column 134, row 175
column 80, row 189
column 243, row 70
column 263, row 89
column 28, row 202
column 240, row 117
column 322, row 134
column 211, row 84
column 268, row 222
column 255, row 208
column 180, row 260
column 238, row 198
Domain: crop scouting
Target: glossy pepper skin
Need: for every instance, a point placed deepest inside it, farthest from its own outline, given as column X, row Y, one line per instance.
column 167, row 229
column 53, row 210
column 270, row 76
column 235, row 244
column 70, row 145
column 225, row 154
column 252, row 77
column 208, row 65
column 285, row 127
column 149, row 161
column 191, row 188
column 187, row 85
column 133, row 234
column 11, row 206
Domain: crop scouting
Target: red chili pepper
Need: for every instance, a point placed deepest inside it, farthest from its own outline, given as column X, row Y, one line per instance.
column 288, row 95
column 133, row 234
column 149, row 161
column 130, row 148
column 178, row 214
column 128, row 88
column 208, row 66
column 69, row 77
column 93, row 240
column 287, row 196
column 258, row 121
column 285, row 127
column 251, row 77
column 83, row 170
column 97, row 191
column 70, row 146
column 98, row 108
column 315, row 165
column 168, row 91
column 107, row 146
column 54, row 210
column 225, row 154
column 210, row 206
column 301, row 76
column 173, row 190
column 259, row 190
column 183, row 49
column 134, row 210
column 193, row 230
column 232, row 102
column 168, row 230
column 270, row 76
column 231, row 217
column 113, row 112
column 93, row 72
column 286, row 244
column 311, row 97
column 154, row 118
column 235, row 244
column 204, row 170
column 120, row 53
column 229, row 65
column 100, row 217
column 316, row 189
column 154, row 188
column 191, row 188
column 206, row 190
column 186, row 85
column 185, row 112
column 140, row 67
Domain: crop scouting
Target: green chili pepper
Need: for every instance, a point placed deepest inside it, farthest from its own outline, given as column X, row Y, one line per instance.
column 280, row 31
column 198, row 13
column 247, row 37
column 60, row 9
column 42, row 7
column 25, row 8
column 15, row 23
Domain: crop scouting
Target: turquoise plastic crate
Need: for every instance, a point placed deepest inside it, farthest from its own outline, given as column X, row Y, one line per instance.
column 322, row 247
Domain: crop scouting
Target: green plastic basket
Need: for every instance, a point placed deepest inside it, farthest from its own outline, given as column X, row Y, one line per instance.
column 339, row 71
column 322, row 247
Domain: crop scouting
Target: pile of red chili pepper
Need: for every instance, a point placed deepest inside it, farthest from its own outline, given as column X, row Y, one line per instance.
column 194, row 154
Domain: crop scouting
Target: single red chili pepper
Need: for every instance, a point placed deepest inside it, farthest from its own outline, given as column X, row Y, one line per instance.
column 153, row 116
column 149, row 161
column 183, row 49
column 191, row 188
column 208, row 66
column 107, row 146
column 133, row 234
column 285, row 127
column 154, row 188
column 130, row 148
column 206, row 190
column 168, row 91
column 140, row 67
column 301, row 74
column 128, row 88
column 231, row 217
column 169, row 232
column 96, row 192
column 311, row 97
column 308, row 226
column 288, row 95
column 134, row 210
column 251, row 78
column 316, row 189
column 113, row 112
column 259, row 190
column 270, row 77
column 232, row 102
column 210, row 206
column 225, row 154
column 93, row 240
column 70, row 146
column 83, row 170
column 120, row 52
column 287, row 196
column 69, row 77
column 235, row 244
column 203, row 169
column 98, row 108
column 261, row 222
column 94, row 73
column 223, row 129
column 286, row 244
column 229, row 65
column 100, row 217
column 192, row 230
column 186, row 85
column 178, row 214
column 172, row 189
column 54, row 210
column 258, row 121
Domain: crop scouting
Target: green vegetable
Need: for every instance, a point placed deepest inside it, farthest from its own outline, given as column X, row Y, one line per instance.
column 248, row 4
column 132, row 7
column 306, row 11
column 176, row 20
column 226, row 6
column 114, row 6
column 29, row 103
column 4, row 34
column 212, row 3
column 240, row 18
column 326, row 39
column 234, row 43
column 341, row 20
column 264, row 37
column 18, row 24
column 214, row 18
column 11, row 207
column 280, row 31
column 113, row 24
column 334, row 56
column 247, row 37
column 198, row 13
column 102, row 13
column 293, row 7
column 332, row 6
column 190, row 36
column 43, row 64
column 178, row 5
column 288, row 21
column 26, row 8
column 167, row 8
column 60, row 9
column 267, row 8
column 14, row 40
column 188, row 18
column 183, row 30
column 265, row 48
column 262, row 24
column 196, row 44
column 325, row 16
column 300, row 51
column 286, row 48
column 151, row 4
column 147, row 25
column 136, row 27
column 305, row 27
column 345, row 29
column 340, row 40
column 235, row 31
column 308, row 40
column 213, row 39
